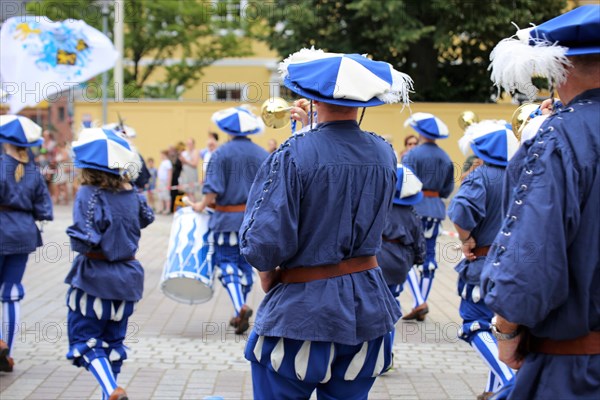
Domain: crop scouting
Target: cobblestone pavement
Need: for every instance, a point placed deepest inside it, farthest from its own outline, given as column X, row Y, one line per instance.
column 179, row 351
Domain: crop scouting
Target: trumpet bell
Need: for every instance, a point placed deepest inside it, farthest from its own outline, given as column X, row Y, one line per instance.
column 467, row 118
column 521, row 117
column 275, row 113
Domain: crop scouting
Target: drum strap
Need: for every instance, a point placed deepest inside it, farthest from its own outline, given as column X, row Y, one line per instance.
column 309, row 274
column 231, row 208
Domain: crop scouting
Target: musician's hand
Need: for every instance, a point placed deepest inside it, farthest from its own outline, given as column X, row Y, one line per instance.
column 508, row 352
column 303, row 104
column 269, row 279
column 546, row 106
column 467, row 248
column 199, row 207
column 298, row 114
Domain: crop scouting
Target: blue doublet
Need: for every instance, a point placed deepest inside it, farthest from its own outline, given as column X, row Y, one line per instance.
column 403, row 244
column 321, row 198
column 476, row 207
column 26, row 201
column 229, row 175
column 102, row 293
column 434, row 168
column 544, row 269
column 109, row 223
column 231, row 171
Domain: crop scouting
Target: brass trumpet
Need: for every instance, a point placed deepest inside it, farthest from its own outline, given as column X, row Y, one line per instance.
column 521, row 117
column 275, row 113
column 467, row 118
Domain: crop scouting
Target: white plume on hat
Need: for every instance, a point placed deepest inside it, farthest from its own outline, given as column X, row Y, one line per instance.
column 514, row 62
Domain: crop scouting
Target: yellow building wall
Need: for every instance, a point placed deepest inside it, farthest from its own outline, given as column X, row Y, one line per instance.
column 160, row 124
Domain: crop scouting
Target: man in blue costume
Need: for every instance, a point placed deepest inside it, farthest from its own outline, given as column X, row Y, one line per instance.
column 434, row 168
column 542, row 275
column 313, row 224
column 229, row 176
column 477, row 215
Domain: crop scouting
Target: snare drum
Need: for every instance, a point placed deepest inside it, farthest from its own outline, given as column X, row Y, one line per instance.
column 188, row 272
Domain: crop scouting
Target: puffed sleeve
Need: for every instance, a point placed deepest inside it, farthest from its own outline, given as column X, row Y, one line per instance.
column 467, row 208
column 146, row 213
column 269, row 232
column 448, row 182
column 42, row 203
column 214, row 182
column 526, row 274
column 91, row 218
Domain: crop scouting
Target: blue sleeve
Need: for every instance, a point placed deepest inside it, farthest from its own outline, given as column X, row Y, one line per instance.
column 448, row 182
column 269, row 232
column 214, row 182
column 526, row 274
column 146, row 213
column 467, row 208
column 90, row 220
column 419, row 243
column 42, row 204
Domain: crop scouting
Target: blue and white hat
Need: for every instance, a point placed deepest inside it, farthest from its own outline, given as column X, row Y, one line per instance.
column 543, row 50
column 20, row 131
column 408, row 187
column 492, row 141
column 238, row 121
column 428, row 125
column 103, row 150
column 350, row 80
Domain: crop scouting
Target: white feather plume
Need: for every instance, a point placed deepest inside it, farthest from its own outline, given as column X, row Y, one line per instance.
column 402, row 85
column 514, row 62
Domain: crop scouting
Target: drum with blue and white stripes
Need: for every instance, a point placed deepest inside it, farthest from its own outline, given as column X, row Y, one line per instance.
column 188, row 272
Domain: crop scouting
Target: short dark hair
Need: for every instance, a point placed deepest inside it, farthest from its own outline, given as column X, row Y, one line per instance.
column 214, row 135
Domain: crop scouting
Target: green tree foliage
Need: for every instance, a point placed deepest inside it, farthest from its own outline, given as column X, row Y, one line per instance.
column 167, row 42
column 443, row 44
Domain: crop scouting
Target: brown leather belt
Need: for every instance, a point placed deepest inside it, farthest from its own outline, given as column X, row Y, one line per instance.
column 102, row 257
column 387, row 239
column 431, row 193
column 7, row 208
column 584, row 345
column 309, row 274
column 231, row 208
column 481, row 251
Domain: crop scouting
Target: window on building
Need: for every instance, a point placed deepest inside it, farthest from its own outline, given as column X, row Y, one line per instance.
column 61, row 114
column 229, row 94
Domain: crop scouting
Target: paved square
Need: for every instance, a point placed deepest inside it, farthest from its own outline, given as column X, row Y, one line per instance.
column 179, row 351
